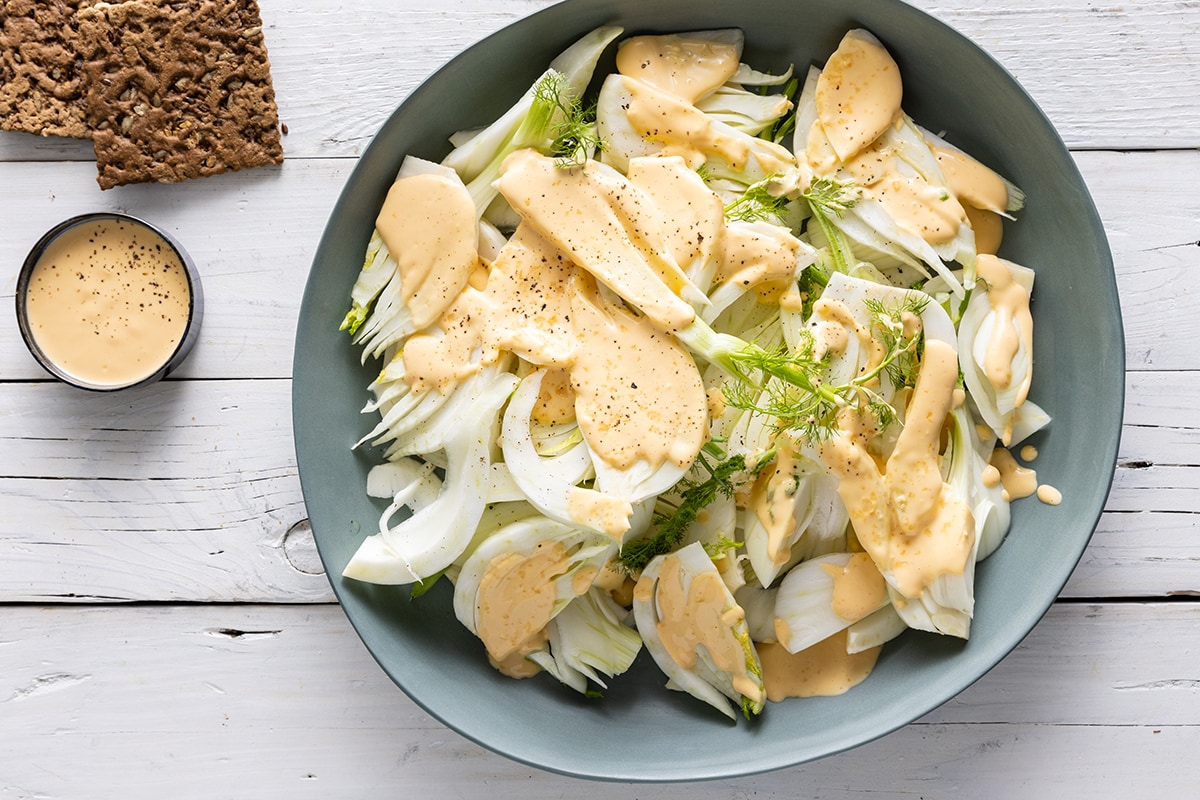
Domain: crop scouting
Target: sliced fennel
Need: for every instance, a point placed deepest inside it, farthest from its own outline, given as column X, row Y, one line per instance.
column 797, row 355
column 587, row 640
column 733, row 671
column 1004, row 410
column 552, row 484
column 582, row 550
column 434, row 536
column 532, row 121
column 804, row 606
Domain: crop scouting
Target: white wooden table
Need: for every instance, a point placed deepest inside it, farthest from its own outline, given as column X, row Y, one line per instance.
column 165, row 626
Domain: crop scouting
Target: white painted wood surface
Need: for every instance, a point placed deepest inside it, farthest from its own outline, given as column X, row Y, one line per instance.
column 165, row 629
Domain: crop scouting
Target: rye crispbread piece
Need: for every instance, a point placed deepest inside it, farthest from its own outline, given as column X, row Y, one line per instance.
column 178, row 90
column 41, row 74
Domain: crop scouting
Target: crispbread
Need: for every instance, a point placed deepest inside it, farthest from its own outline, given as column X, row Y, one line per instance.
column 177, row 90
column 41, row 77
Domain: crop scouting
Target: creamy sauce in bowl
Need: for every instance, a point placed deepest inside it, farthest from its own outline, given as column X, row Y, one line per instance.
column 105, row 302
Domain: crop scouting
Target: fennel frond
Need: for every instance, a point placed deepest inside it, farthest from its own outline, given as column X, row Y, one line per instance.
column 827, row 198
column 573, row 135
column 723, row 478
column 757, row 203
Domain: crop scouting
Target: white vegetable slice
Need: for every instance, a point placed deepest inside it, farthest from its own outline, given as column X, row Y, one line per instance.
column 624, row 141
column 576, row 63
column 584, row 550
column 759, row 605
column 704, row 678
column 589, row 639
column 804, row 605
column 745, row 111
column 407, row 482
column 968, row 458
column 551, row 484
column 874, row 630
column 428, row 541
column 998, row 407
column 800, row 487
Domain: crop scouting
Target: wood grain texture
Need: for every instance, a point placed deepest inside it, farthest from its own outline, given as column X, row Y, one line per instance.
column 165, row 626
column 184, row 490
column 253, row 236
column 1115, row 77
column 270, row 701
column 188, row 491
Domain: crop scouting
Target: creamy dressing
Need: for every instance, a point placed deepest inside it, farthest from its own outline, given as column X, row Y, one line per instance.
column 1018, row 481
column 990, row 477
column 1013, row 326
column 687, row 67
column 772, row 499
column 829, row 336
column 858, row 93
column 523, row 307
column 515, row 602
column 914, row 526
column 972, row 183
column 916, row 205
column 556, row 399
column 681, row 128
column 638, row 393
column 919, row 207
column 837, row 312
column 685, row 131
column 604, row 223
column 696, row 224
column 858, row 588
column 429, row 225
column 701, row 616
column 758, row 256
column 108, row 302
column 612, row 512
column 1049, row 495
column 822, row 670
column 618, row 584
column 988, row 227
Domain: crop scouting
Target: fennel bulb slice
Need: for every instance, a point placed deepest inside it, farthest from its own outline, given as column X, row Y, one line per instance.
column 809, row 607
column 589, row 639
column 433, row 537
column 697, row 633
column 551, row 483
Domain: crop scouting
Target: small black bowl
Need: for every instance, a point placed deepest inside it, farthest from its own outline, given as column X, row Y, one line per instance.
column 195, row 302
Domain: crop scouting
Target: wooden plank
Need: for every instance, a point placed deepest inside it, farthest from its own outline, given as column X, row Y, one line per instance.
column 1151, row 214
column 1139, row 554
column 187, row 490
column 254, row 272
column 1109, row 76
column 248, row 701
column 338, row 75
column 251, row 234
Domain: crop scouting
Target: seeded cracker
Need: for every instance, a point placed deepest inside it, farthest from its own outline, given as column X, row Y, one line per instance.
column 41, row 75
column 178, row 90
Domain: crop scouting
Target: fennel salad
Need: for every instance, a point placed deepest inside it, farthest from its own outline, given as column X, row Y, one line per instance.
column 719, row 363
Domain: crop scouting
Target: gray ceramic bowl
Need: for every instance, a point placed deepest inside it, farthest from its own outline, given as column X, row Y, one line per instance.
column 640, row 731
